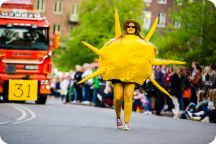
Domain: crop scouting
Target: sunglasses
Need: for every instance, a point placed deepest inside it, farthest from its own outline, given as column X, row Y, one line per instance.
column 131, row 26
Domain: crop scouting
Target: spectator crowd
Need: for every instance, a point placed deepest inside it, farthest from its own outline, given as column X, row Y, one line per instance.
column 193, row 90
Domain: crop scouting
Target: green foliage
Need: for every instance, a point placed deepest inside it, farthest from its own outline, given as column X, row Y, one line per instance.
column 195, row 39
column 96, row 27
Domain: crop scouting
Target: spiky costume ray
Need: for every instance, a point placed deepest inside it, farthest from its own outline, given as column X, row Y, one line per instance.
column 129, row 59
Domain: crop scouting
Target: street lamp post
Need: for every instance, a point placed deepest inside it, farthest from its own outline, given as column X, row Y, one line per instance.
column 202, row 21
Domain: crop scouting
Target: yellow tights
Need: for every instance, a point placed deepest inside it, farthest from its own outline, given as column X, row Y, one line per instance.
column 124, row 91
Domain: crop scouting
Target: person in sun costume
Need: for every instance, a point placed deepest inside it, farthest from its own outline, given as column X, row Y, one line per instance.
column 126, row 60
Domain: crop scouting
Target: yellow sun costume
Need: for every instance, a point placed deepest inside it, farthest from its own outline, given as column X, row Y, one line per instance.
column 128, row 59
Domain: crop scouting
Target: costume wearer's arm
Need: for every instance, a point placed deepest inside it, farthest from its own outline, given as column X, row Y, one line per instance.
column 159, row 87
column 166, row 62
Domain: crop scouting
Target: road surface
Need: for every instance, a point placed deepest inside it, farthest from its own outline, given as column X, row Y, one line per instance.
column 57, row 123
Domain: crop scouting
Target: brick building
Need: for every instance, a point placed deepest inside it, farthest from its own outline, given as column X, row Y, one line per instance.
column 162, row 9
column 62, row 14
column 158, row 8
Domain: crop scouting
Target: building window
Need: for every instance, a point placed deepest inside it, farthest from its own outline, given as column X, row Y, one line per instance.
column 75, row 8
column 162, row 1
column 41, row 5
column 74, row 18
column 161, row 20
column 179, row 2
column 56, row 27
column 147, row 1
column 177, row 23
column 147, row 20
column 58, row 9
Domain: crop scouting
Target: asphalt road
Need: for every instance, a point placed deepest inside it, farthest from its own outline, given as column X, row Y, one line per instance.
column 57, row 123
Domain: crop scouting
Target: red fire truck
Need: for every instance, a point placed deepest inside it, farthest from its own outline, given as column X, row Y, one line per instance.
column 25, row 52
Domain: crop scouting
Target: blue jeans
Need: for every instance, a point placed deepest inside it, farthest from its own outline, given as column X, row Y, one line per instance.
column 149, row 104
column 86, row 92
column 95, row 92
column 181, row 103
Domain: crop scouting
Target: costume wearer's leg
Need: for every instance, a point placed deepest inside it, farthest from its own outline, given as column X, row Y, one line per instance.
column 118, row 97
column 128, row 99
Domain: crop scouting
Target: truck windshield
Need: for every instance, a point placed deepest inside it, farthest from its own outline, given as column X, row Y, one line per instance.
column 24, row 38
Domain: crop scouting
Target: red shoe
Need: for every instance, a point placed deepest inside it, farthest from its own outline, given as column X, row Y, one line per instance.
column 119, row 123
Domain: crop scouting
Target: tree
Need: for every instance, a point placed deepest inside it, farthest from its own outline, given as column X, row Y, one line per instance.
column 96, row 27
column 195, row 40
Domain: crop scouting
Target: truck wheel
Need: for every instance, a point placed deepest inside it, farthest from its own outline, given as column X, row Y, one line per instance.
column 41, row 99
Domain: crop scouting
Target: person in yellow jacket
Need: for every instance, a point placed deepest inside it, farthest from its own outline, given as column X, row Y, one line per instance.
column 126, row 60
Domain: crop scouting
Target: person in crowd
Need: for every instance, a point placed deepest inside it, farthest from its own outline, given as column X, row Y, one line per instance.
column 105, row 95
column 196, row 83
column 203, row 111
column 206, row 72
column 108, row 95
column 140, row 103
column 150, row 90
column 70, row 93
column 193, row 69
column 160, row 97
column 169, row 101
column 176, row 81
column 64, row 84
column 212, row 78
column 57, row 87
column 86, row 89
column 78, row 88
column 96, row 87
column 53, row 86
column 187, row 87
